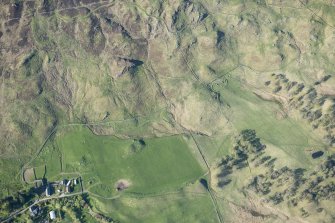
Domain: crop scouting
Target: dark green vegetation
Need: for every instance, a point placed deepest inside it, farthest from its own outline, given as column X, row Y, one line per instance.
column 78, row 208
column 16, row 201
column 152, row 103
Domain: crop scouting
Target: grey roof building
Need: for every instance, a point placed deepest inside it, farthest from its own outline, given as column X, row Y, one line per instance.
column 34, row 210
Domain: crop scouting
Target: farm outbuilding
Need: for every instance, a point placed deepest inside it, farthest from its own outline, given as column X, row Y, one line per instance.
column 68, row 183
column 52, row 215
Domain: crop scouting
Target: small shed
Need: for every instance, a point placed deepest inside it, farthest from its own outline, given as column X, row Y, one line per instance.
column 68, row 189
column 52, row 215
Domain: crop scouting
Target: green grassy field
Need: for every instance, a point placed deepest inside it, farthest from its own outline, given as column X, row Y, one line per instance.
column 159, row 165
column 157, row 170
column 179, row 207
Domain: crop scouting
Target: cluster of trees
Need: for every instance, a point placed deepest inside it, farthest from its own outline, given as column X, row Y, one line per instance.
column 328, row 167
column 16, row 201
column 260, row 185
column 77, row 207
column 288, row 179
column 316, row 190
column 246, row 144
column 295, row 186
column 308, row 102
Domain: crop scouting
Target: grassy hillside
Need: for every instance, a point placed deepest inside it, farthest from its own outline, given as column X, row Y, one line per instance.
column 157, row 95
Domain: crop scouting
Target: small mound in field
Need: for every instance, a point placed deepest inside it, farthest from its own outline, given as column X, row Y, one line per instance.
column 137, row 145
column 122, row 184
column 28, row 175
